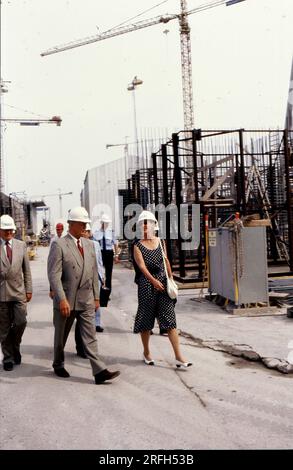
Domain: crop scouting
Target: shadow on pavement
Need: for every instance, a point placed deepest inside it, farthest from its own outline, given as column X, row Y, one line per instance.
column 112, row 361
column 38, row 351
column 113, row 329
column 39, row 325
column 26, row 370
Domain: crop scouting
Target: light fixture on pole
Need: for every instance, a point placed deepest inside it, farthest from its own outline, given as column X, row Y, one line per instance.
column 131, row 87
column 125, row 145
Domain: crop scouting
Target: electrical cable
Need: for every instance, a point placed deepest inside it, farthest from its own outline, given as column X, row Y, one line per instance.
column 136, row 16
column 24, row 110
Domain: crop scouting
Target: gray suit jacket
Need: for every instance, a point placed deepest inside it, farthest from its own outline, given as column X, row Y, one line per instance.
column 15, row 278
column 70, row 276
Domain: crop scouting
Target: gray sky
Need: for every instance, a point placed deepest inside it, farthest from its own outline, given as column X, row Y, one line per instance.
column 241, row 60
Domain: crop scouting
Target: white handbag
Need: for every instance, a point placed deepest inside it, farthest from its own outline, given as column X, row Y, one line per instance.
column 172, row 288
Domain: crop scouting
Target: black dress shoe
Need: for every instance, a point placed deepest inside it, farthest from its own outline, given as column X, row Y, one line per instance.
column 81, row 354
column 8, row 365
column 17, row 358
column 61, row 372
column 99, row 329
column 106, row 375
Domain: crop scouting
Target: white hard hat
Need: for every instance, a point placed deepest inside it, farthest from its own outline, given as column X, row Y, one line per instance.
column 7, row 223
column 78, row 214
column 105, row 219
column 88, row 227
column 148, row 215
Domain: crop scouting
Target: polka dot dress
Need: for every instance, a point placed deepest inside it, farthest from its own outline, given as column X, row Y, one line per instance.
column 152, row 303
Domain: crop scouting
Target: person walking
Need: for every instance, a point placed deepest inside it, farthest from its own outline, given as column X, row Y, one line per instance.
column 15, row 292
column 73, row 277
column 78, row 339
column 153, row 300
column 59, row 232
column 101, row 273
column 109, row 246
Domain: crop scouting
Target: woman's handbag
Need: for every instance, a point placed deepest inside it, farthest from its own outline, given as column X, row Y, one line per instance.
column 172, row 288
column 104, row 294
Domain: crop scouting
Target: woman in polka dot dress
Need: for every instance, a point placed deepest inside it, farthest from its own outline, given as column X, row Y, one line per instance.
column 153, row 300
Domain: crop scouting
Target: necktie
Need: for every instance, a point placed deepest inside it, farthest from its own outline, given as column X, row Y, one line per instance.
column 104, row 242
column 80, row 248
column 9, row 252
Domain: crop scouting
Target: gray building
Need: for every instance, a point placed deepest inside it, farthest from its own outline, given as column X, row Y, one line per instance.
column 100, row 192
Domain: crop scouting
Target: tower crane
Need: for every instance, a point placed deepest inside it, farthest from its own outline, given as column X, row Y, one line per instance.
column 34, row 122
column 60, row 195
column 22, row 122
column 185, row 44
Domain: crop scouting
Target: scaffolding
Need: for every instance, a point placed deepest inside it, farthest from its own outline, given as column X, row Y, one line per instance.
column 224, row 171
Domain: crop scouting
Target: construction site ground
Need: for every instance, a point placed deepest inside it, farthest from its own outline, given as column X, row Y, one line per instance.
column 237, row 394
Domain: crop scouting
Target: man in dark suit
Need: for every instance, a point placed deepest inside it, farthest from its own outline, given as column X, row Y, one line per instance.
column 73, row 277
column 15, row 292
column 106, row 237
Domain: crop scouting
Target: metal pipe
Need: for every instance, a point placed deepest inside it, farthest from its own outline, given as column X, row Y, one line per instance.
column 289, row 204
column 155, row 170
column 196, row 198
column 165, row 175
column 178, row 195
column 242, row 172
column 166, row 201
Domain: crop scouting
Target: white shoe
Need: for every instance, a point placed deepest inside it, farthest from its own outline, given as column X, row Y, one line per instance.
column 183, row 364
column 148, row 363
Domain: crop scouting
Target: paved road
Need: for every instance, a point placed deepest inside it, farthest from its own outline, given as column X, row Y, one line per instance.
column 221, row 403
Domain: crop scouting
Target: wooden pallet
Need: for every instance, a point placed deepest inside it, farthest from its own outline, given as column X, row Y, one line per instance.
column 257, row 312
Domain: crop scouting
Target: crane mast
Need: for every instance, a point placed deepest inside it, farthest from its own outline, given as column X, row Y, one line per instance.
column 186, row 67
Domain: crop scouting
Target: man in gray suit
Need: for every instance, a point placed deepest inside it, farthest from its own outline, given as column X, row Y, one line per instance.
column 73, row 278
column 15, row 292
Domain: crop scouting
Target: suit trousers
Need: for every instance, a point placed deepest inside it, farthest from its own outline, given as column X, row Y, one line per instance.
column 78, row 338
column 12, row 325
column 108, row 257
column 88, row 334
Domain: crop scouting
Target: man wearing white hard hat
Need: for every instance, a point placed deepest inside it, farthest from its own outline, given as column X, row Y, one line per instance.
column 15, row 292
column 101, row 272
column 73, row 277
column 108, row 243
